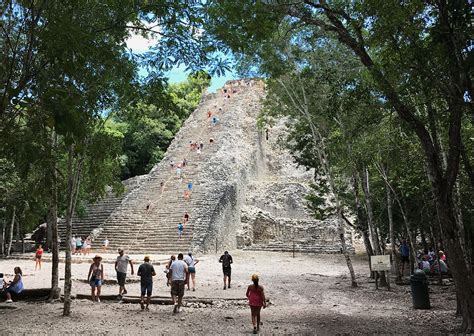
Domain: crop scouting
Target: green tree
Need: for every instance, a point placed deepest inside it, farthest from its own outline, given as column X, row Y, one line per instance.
column 417, row 56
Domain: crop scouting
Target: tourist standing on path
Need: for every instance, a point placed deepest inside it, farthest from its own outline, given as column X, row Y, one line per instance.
column 78, row 246
column 146, row 272
column 96, row 277
column 38, row 256
column 256, row 297
column 73, row 245
column 84, row 246
column 88, row 243
column 168, row 272
column 404, row 254
column 191, row 262
column 121, row 265
column 226, row 260
column 105, row 245
column 178, row 275
column 14, row 286
column 180, row 230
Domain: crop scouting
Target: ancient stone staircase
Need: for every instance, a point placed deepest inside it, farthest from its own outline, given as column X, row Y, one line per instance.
column 239, row 169
column 134, row 228
column 96, row 213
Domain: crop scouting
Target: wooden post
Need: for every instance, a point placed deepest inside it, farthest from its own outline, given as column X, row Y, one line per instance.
column 293, row 246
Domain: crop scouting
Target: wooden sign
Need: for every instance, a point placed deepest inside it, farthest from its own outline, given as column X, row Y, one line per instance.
column 380, row 263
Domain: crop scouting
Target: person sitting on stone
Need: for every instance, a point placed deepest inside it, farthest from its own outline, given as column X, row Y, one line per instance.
column 15, row 286
column 425, row 264
column 442, row 256
column 440, row 265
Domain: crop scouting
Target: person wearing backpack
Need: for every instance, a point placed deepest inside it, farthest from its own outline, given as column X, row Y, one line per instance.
column 226, row 260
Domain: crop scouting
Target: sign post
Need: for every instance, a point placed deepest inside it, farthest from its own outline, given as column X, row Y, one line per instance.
column 380, row 263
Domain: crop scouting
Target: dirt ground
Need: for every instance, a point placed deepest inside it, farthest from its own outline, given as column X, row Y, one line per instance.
column 309, row 295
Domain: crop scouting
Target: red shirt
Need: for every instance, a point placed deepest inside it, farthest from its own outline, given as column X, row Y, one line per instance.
column 39, row 252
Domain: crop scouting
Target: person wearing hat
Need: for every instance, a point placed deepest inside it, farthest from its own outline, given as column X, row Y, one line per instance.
column 146, row 272
column 121, row 265
column 256, row 297
column 96, row 277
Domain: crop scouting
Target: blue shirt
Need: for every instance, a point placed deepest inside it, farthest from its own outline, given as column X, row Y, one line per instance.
column 404, row 250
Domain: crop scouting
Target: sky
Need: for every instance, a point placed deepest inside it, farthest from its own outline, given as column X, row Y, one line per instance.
column 138, row 44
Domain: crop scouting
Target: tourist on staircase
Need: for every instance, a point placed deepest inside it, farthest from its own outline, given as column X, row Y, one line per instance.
column 185, row 217
column 180, row 230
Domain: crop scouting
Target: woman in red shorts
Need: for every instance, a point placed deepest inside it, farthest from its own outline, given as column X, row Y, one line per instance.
column 38, row 256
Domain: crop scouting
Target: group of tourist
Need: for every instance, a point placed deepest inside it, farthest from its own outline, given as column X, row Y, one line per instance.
column 427, row 260
column 81, row 245
column 431, row 263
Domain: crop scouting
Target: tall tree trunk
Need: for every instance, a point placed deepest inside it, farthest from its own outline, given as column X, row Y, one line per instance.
column 411, row 239
column 18, row 229
column 2, row 241
column 49, row 233
column 10, row 232
column 391, row 229
column 362, row 225
column 53, row 223
column 370, row 214
column 74, row 167
column 374, row 238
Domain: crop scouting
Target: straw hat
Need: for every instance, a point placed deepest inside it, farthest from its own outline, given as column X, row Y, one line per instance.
column 97, row 257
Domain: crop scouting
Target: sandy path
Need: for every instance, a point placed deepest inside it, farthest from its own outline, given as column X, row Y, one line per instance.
column 309, row 295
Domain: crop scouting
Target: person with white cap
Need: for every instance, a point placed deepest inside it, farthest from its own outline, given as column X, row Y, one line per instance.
column 121, row 265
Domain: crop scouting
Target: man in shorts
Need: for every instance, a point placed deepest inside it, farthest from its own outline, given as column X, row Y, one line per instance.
column 121, row 265
column 178, row 271
column 226, row 260
column 146, row 272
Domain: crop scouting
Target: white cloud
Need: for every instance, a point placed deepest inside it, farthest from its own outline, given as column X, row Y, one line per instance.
column 139, row 44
